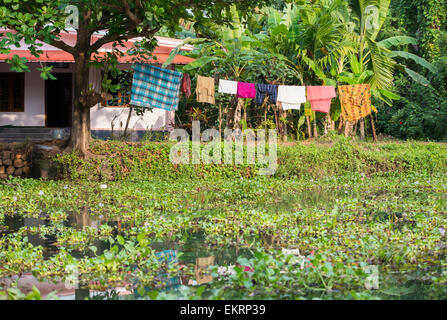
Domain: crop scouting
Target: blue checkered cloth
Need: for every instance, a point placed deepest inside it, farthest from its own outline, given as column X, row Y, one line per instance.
column 154, row 87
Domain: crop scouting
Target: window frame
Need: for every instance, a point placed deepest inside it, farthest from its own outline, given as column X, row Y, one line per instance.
column 11, row 88
column 120, row 95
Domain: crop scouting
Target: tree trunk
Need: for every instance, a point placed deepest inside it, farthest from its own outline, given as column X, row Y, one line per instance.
column 327, row 124
column 80, row 129
column 349, row 125
column 126, row 128
column 231, row 110
column 340, row 125
column 362, row 128
column 276, row 117
column 309, row 127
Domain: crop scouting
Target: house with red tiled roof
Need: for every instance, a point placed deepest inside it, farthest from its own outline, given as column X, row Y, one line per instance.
column 27, row 100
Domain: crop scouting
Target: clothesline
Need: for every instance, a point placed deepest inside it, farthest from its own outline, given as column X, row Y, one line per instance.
column 160, row 88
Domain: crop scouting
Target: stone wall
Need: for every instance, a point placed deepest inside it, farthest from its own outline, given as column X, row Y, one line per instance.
column 14, row 162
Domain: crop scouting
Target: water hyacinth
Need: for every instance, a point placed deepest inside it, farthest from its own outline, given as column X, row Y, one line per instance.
column 329, row 231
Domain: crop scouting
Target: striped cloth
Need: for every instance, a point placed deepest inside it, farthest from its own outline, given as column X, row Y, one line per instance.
column 266, row 89
column 154, row 87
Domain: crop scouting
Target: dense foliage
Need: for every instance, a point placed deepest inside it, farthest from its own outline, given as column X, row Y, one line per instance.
column 422, row 111
column 146, row 160
column 327, row 42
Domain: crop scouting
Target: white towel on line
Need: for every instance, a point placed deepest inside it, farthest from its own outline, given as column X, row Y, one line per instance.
column 291, row 97
column 227, row 86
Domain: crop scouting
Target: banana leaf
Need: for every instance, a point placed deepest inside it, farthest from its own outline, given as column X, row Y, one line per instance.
column 398, row 41
column 420, row 61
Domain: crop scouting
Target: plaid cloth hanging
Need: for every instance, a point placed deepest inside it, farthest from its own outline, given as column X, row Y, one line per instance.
column 154, row 87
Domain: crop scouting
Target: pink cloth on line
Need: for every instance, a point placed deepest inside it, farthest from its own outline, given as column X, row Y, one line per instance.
column 320, row 97
column 246, row 90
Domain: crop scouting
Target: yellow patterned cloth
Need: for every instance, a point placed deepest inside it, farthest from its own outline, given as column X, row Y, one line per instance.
column 355, row 101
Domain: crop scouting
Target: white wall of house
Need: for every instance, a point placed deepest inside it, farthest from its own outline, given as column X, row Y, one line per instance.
column 103, row 118
column 34, row 106
column 34, row 114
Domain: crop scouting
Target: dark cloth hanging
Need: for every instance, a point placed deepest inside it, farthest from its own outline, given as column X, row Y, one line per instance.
column 186, row 85
column 266, row 89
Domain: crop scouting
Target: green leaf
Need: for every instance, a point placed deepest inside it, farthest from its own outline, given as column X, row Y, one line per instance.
column 200, row 290
column 398, row 41
column 141, row 291
column 152, row 294
column 389, row 94
column 420, row 61
column 141, row 237
column 418, row 78
column 199, row 63
column 120, row 240
column 382, row 66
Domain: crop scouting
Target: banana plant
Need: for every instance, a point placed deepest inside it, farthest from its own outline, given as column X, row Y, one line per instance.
column 378, row 56
column 405, row 40
column 370, row 16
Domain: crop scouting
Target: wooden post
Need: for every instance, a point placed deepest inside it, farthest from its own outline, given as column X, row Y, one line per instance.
column 284, row 126
column 315, row 127
column 265, row 117
column 373, row 128
column 220, row 121
column 245, row 112
column 276, row 118
column 309, row 130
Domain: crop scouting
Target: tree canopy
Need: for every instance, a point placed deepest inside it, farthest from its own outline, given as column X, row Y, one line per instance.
column 120, row 20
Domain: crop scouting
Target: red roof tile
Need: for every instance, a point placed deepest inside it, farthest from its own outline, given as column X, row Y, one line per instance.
column 62, row 56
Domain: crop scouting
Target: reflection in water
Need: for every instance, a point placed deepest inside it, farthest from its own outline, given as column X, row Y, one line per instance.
column 194, row 251
column 202, row 272
column 15, row 223
column 84, row 218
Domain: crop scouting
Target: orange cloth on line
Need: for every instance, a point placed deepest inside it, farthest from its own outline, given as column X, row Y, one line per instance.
column 320, row 97
column 355, row 101
column 205, row 90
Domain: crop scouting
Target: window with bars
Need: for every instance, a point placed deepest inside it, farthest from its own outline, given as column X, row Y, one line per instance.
column 12, row 92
